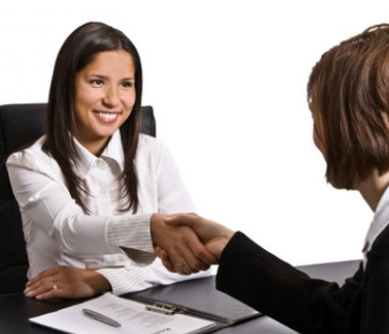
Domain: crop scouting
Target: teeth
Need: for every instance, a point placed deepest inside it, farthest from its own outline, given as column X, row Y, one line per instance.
column 107, row 116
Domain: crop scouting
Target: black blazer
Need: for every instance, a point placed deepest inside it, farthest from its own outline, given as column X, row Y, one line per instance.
column 275, row 288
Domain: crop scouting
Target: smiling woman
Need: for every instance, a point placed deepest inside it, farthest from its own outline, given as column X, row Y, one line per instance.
column 104, row 98
column 93, row 190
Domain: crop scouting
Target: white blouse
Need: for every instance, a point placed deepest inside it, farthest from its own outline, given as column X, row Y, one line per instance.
column 379, row 223
column 58, row 232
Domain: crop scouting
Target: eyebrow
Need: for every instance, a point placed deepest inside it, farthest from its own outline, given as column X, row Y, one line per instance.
column 105, row 78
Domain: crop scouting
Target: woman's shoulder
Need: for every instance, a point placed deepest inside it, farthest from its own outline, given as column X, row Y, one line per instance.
column 31, row 156
column 152, row 151
column 150, row 144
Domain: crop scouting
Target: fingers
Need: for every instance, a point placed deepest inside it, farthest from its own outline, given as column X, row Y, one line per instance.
column 180, row 240
column 165, row 259
column 201, row 253
column 197, row 256
column 188, row 255
column 54, row 293
column 188, row 263
column 42, row 288
column 44, row 275
column 213, row 236
column 177, row 256
column 178, row 262
column 66, row 282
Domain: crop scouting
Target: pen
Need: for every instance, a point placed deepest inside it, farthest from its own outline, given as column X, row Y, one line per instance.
column 100, row 317
column 159, row 310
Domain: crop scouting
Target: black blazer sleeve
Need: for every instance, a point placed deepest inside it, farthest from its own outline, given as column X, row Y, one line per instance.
column 275, row 288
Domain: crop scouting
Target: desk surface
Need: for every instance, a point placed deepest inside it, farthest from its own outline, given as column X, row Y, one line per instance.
column 15, row 309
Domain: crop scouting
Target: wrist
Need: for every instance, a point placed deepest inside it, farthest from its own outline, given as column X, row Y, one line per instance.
column 228, row 234
column 155, row 224
column 225, row 239
column 99, row 283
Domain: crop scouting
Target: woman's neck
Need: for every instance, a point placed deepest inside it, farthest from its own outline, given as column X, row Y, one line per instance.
column 373, row 188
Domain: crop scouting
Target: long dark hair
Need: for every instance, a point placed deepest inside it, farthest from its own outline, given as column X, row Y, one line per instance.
column 78, row 50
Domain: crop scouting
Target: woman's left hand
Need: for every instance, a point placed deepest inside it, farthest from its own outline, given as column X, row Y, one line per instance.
column 66, row 282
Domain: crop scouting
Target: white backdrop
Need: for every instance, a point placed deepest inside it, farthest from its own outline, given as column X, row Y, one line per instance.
column 227, row 81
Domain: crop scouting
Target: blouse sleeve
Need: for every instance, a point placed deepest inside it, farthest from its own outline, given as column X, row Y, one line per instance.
column 46, row 200
column 172, row 197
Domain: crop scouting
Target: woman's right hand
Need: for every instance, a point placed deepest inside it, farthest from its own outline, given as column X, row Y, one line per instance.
column 214, row 236
column 66, row 282
column 186, row 252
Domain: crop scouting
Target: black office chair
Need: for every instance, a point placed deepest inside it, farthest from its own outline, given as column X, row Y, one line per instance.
column 21, row 125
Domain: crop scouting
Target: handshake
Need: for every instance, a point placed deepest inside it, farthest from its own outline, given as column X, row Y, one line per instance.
column 188, row 243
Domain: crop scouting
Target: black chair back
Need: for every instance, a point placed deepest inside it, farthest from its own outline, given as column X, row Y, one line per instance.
column 21, row 125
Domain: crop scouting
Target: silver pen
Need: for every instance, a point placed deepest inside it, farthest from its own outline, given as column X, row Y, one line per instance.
column 100, row 317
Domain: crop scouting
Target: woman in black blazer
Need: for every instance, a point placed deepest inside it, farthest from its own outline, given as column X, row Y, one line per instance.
column 348, row 94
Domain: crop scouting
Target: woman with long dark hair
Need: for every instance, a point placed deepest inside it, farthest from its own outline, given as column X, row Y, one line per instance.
column 93, row 189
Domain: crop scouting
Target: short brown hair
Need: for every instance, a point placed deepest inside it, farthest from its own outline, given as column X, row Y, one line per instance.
column 349, row 86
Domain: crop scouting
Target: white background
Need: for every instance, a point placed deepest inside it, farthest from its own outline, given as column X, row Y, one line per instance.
column 227, row 81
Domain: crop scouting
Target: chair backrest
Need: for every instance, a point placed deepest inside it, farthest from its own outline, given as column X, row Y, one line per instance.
column 21, row 125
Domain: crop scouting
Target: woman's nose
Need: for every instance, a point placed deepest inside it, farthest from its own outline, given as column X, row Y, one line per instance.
column 111, row 97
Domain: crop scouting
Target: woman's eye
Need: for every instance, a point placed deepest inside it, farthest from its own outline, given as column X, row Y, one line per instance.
column 127, row 84
column 96, row 82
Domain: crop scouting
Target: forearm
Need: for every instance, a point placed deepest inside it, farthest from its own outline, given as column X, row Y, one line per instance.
column 130, row 278
column 48, row 206
column 258, row 278
column 93, row 235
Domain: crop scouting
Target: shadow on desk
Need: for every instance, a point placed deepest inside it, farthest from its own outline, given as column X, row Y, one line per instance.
column 15, row 309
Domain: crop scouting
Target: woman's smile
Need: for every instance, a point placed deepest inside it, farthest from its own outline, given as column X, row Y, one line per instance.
column 107, row 117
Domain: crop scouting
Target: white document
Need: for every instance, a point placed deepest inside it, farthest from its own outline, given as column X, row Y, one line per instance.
column 133, row 317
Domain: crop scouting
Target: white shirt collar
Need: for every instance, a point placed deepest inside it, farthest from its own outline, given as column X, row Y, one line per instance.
column 113, row 151
column 380, row 221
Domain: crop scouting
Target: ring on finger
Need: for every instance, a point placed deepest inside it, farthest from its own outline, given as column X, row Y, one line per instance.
column 55, row 287
column 182, row 264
